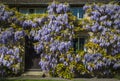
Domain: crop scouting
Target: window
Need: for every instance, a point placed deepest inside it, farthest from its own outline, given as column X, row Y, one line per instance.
column 77, row 11
column 78, row 43
column 32, row 10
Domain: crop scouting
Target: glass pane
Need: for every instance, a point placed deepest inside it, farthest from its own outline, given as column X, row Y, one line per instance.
column 74, row 11
column 75, row 44
column 77, row 11
column 81, row 12
column 24, row 10
column 78, row 44
column 81, row 43
column 40, row 10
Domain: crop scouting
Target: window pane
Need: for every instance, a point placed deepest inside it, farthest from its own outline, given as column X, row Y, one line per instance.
column 81, row 43
column 75, row 44
column 24, row 10
column 78, row 44
column 40, row 10
column 81, row 12
column 74, row 11
column 78, row 12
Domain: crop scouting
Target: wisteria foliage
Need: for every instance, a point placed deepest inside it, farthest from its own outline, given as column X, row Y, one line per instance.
column 51, row 34
column 54, row 36
column 104, row 28
column 10, row 47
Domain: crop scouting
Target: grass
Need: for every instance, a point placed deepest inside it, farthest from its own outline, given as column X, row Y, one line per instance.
column 28, row 80
column 34, row 80
column 58, row 79
column 38, row 80
column 117, row 76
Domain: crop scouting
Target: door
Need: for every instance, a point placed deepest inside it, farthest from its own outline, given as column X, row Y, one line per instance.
column 31, row 58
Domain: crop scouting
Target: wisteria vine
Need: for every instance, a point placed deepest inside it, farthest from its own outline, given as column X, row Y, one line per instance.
column 104, row 29
column 54, row 37
column 10, row 47
column 106, row 26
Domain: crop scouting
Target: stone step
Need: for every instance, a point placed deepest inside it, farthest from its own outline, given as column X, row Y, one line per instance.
column 34, row 70
column 35, row 73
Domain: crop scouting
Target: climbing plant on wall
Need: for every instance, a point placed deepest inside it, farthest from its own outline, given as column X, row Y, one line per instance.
column 103, row 24
column 52, row 36
column 11, row 49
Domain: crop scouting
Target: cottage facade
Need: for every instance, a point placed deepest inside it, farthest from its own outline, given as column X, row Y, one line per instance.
column 40, row 6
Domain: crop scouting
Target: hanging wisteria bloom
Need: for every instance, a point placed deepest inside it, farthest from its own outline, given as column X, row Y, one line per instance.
column 10, row 47
column 19, row 35
column 52, row 36
column 104, row 36
column 105, row 26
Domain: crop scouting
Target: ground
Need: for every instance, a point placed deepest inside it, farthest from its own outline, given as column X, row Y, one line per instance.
column 29, row 78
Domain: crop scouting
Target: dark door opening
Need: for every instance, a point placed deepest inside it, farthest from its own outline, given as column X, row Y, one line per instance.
column 31, row 58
